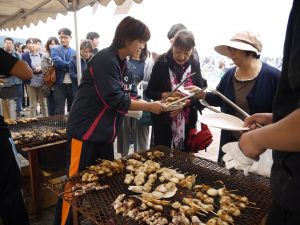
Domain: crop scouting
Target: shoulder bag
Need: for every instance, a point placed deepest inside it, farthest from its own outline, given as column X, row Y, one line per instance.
column 50, row 76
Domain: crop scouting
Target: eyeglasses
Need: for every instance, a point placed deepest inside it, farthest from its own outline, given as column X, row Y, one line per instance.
column 61, row 37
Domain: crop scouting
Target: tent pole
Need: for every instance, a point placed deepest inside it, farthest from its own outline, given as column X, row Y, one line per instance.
column 78, row 60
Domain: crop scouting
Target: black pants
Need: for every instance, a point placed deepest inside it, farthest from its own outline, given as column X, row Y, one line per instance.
column 12, row 207
column 281, row 216
column 89, row 152
column 61, row 94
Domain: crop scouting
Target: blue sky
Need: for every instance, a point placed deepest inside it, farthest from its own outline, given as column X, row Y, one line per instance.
column 211, row 21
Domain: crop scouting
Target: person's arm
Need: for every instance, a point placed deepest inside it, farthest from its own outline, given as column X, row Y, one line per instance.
column 57, row 60
column 105, row 71
column 10, row 65
column 154, row 107
column 282, row 135
column 73, row 69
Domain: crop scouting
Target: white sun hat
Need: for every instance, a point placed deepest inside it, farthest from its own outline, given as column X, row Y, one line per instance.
column 244, row 40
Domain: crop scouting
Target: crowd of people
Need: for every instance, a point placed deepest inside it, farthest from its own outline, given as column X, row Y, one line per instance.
column 18, row 95
column 125, row 77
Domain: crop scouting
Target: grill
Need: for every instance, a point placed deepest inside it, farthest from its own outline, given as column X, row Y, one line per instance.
column 39, row 128
column 96, row 205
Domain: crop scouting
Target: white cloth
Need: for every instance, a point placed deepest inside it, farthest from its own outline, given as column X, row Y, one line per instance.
column 235, row 158
column 135, row 114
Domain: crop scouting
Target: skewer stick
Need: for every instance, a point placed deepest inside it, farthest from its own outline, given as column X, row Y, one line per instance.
column 199, row 213
column 68, row 191
column 214, row 213
column 252, row 203
column 220, row 181
column 251, row 207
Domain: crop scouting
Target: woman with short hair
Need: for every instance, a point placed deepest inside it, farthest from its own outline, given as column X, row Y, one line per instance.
column 101, row 102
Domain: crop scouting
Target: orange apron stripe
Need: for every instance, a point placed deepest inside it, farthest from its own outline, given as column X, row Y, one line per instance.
column 76, row 149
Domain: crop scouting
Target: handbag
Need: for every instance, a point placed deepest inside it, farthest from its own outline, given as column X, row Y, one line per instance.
column 199, row 140
column 50, row 76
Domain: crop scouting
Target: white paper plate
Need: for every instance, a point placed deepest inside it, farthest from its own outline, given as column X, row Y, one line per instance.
column 223, row 121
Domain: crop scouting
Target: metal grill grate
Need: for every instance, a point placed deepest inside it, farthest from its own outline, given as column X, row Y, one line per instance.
column 96, row 205
column 38, row 128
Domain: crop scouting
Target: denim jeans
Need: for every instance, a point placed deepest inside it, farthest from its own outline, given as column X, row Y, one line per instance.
column 19, row 100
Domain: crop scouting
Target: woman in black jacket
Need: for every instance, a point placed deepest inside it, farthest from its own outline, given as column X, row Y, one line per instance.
column 172, row 129
column 101, row 102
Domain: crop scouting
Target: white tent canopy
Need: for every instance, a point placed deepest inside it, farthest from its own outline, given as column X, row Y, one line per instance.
column 17, row 13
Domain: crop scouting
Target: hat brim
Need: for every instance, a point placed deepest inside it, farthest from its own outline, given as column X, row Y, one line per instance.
column 223, row 49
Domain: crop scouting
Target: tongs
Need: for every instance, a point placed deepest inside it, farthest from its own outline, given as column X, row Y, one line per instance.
column 178, row 86
column 230, row 103
column 204, row 103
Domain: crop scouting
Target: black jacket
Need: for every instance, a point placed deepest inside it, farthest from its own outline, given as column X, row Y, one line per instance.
column 100, row 103
column 285, row 173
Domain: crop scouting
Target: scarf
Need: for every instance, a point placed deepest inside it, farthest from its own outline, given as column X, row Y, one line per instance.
column 178, row 121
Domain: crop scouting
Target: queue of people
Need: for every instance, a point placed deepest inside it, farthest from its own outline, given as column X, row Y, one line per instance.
column 22, row 94
column 97, row 105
